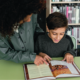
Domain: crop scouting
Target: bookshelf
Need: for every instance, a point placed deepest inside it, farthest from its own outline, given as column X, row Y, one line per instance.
column 78, row 43
column 64, row 2
column 49, row 3
column 74, row 24
column 49, row 8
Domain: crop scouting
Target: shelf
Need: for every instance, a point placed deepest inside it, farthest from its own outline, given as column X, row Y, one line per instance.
column 65, row 2
column 78, row 43
column 74, row 24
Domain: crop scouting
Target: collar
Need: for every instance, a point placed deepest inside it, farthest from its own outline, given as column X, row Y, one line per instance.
column 16, row 26
column 16, row 29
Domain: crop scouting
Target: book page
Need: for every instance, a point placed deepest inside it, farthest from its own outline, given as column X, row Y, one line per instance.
column 42, row 70
column 62, row 67
column 68, row 75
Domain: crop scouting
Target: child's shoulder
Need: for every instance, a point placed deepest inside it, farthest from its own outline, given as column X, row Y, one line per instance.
column 68, row 39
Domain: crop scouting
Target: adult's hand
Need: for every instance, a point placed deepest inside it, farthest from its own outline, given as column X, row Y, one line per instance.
column 39, row 60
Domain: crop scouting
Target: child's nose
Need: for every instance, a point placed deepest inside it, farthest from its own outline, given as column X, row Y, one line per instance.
column 58, row 37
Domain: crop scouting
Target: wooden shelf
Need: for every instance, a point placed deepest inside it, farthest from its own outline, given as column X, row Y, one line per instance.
column 64, row 2
column 78, row 43
column 74, row 24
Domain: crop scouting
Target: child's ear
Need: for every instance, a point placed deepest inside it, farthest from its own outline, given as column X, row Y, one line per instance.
column 47, row 30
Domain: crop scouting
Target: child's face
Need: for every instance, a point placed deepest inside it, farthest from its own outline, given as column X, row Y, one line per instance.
column 57, row 34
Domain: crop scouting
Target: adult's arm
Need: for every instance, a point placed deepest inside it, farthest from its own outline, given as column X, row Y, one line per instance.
column 7, row 53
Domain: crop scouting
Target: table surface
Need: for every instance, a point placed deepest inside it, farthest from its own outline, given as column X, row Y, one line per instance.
column 14, row 71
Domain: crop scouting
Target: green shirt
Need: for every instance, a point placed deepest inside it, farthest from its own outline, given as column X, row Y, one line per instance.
column 21, row 46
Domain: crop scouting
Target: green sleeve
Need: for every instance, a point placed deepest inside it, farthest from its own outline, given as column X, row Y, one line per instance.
column 6, row 53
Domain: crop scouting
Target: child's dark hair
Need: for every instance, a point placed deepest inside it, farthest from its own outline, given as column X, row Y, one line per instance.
column 56, row 20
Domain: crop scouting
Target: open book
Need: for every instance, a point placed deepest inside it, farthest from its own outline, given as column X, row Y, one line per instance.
column 56, row 69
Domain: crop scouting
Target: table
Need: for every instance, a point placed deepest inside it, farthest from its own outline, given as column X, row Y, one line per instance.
column 14, row 71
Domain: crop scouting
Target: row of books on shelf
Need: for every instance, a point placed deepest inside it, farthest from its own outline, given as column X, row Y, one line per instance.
column 63, row 0
column 72, row 12
column 75, row 31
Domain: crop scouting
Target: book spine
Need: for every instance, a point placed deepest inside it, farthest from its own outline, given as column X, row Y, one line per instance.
column 73, row 16
column 60, row 9
column 77, row 14
column 54, row 9
column 51, row 9
column 26, row 72
column 57, row 0
column 67, row 12
column 75, row 32
column 70, row 14
column 53, row 0
column 64, row 10
column 69, row 32
column 60, row 0
column 72, row 32
column 79, row 34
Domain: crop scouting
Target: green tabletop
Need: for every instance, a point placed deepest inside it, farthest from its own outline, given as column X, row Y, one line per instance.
column 14, row 71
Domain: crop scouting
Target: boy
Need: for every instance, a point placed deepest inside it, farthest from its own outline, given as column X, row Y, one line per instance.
column 55, row 43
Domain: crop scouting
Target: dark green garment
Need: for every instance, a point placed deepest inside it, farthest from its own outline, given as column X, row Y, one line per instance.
column 21, row 46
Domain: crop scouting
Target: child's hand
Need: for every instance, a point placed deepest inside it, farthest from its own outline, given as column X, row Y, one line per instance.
column 45, row 56
column 39, row 60
column 68, row 57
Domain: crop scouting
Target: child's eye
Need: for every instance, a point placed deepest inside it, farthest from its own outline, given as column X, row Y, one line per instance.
column 61, row 34
column 54, row 34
